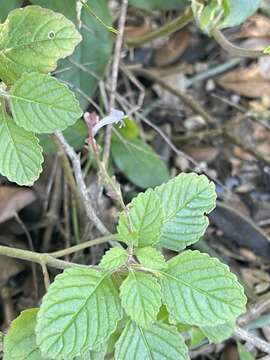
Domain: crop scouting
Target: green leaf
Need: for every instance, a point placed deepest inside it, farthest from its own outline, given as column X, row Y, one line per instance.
column 20, row 342
column 33, row 39
column 40, row 103
column 143, row 222
column 159, row 4
column 67, row 7
column 141, row 298
column 21, row 156
column 130, row 131
column 94, row 354
column 75, row 135
column 185, row 201
column 196, row 337
column 139, row 163
column 114, row 259
column 243, row 353
column 151, row 257
column 200, row 290
column 240, row 10
column 159, row 342
column 7, row 6
column 217, row 334
column 89, row 61
column 79, row 312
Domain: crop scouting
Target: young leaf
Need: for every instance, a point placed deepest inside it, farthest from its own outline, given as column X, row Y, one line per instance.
column 7, row 6
column 114, row 258
column 185, row 201
column 33, row 39
column 94, row 354
column 141, row 298
column 21, row 156
column 40, row 103
column 217, row 334
column 20, row 342
column 139, row 163
column 151, row 257
column 79, row 312
column 89, row 61
column 159, row 342
column 142, row 225
column 200, row 290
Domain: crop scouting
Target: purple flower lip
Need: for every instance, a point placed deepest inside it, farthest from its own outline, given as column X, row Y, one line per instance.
column 115, row 117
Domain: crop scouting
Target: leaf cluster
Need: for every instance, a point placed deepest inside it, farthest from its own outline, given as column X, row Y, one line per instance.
column 135, row 304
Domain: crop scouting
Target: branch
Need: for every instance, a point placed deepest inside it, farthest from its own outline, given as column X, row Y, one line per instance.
column 167, row 29
column 252, row 339
column 114, row 76
column 76, row 164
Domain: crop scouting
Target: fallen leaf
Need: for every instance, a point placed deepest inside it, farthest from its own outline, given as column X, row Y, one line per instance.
column 246, row 82
column 14, row 199
column 8, row 268
column 256, row 26
column 172, row 49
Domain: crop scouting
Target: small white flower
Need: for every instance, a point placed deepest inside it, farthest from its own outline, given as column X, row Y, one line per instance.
column 115, row 117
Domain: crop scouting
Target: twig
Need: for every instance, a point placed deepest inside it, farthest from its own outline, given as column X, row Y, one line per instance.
column 76, row 164
column 252, row 339
column 234, row 50
column 84, row 245
column 188, row 100
column 37, row 258
column 114, row 75
column 165, row 30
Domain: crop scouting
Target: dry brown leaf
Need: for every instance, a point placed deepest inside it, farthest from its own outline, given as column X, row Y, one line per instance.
column 172, row 49
column 256, row 26
column 246, row 82
column 137, row 25
column 14, row 199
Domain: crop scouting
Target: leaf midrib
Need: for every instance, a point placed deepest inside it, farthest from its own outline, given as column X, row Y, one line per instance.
column 205, row 293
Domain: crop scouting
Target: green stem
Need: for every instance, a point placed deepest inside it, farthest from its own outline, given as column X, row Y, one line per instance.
column 39, row 258
column 235, row 50
column 84, row 245
column 165, row 30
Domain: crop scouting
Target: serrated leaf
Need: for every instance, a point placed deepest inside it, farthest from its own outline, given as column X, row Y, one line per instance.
column 159, row 4
column 7, row 6
column 40, row 103
column 114, row 258
column 151, row 257
column 243, row 352
column 185, row 200
column 139, row 163
column 20, row 342
column 89, row 61
column 79, row 312
column 217, row 334
column 143, row 222
column 141, row 298
column 200, row 290
column 21, row 156
column 33, row 39
column 67, row 7
column 159, row 342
